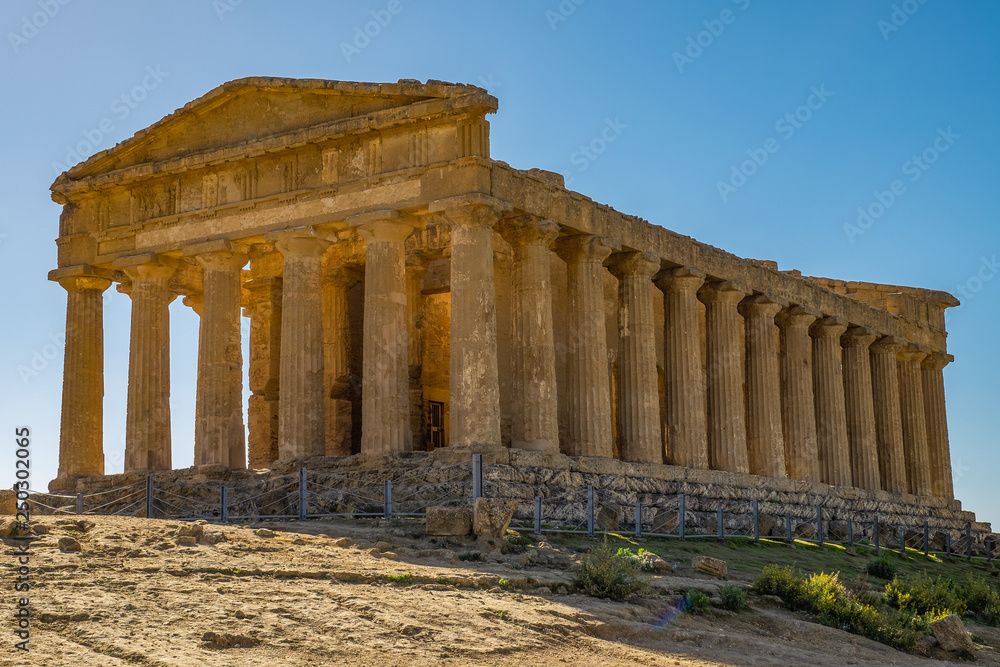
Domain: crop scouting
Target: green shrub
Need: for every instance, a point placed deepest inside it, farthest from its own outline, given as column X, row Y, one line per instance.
column 399, row 578
column 697, row 603
column 882, row 568
column 604, row 573
column 636, row 559
column 925, row 595
column 473, row 556
column 517, row 539
column 734, row 598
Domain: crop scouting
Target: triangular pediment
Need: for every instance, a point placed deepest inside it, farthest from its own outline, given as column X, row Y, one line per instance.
column 245, row 111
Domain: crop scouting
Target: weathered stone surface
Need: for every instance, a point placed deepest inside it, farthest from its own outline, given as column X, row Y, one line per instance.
column 8, row 502
column 952, row 635
column 711, row 566
column 656, row 564
column 491, row 517
column 609, row 517
column 67, row 543
column 448, row 521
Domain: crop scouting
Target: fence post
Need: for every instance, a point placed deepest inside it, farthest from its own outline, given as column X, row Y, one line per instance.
column 149, row 496
column 638, row 519
column 968, row 542
column 477, row 476
column 850, row 532
column 990, row 545
column 590, row 511
column 788, row 527
column 819, row 524
column 224, row 504
column 902, row 540
column 722, row 527
column 681, row 514
column 303, row 494
column 387, row 496
column 79, row 503
column 947, row 544
column 756, row 522
column 927, row 538
column 538, row 515
column 875, row 535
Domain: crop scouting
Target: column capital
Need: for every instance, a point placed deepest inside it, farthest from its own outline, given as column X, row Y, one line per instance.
column 680, row 279
column 383, row 225
column 78, row 283
column 829, row 327
column 634, row 264
column 219, row 254
column 857, row 336
column 936, row 361
column 298, row 241
column 475, row 209
column 797, row 317
column 65, row 275
column 764, row 305
column 913, row 352
column 888, row 345
column 721, row 291
column 195, row 302
column 523, row 231
column 582, row 248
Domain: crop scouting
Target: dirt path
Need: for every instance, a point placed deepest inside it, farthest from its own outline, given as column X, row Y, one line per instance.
column 134, row 596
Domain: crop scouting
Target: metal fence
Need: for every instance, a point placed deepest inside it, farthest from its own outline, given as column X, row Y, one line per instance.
column 587, row 510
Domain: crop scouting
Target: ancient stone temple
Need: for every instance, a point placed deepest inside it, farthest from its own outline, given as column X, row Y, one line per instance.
column 406, row 291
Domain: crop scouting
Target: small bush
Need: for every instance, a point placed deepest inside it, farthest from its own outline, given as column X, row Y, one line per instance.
column 518, row 540
column 882, row 568
column 473, row 556
column 637, row 559
column 503, row 583
column 604, row 573
column 399, row 578
column 697, row 603
column 734, row 598
column 943, row 595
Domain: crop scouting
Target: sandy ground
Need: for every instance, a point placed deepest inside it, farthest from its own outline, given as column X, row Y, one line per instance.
column 134, row 596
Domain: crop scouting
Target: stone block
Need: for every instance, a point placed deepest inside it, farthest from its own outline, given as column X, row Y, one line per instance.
column 665, row 521
column 656, row 564
column 952, row 636
column 8, row 502
column 711, row 566
column 448, row 521
column 805, row 530
column 609, row 518
column 491, row 517
column 69, row 544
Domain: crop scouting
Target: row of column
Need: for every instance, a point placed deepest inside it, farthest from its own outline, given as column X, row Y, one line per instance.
column 822, row 402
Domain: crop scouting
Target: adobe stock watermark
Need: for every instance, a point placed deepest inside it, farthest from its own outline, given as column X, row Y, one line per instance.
column 562, row 12
column 41, row 358
column 363, row 35
column 587, row 153
column 30, row 25
column 914, row 169
column 223, row 7
column 714, row 28
column 786, row 126
column 121, row 107
column 899, row 17
column 489, row 84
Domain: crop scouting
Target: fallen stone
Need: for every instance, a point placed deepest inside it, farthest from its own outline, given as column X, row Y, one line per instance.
column 40, row 529
column 264, row 532
column 448, row 521
column 952, row 636
column 710, row 566
column 69, row 544
column 343, row 542
column 213, row 537
column 190, row 530
column 656, row 564
column 187, row 541
column 491, row 517
column 382, row 546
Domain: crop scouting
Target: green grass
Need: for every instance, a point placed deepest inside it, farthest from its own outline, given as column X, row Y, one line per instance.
column 399, row 578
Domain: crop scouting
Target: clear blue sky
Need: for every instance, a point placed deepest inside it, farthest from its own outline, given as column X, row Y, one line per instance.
column 890, row 82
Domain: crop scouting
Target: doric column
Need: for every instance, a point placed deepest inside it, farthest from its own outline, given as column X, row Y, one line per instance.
column 147, row 421
column 765, row 439
column 301, row 409
column 337, row 283
column 385, row 380
column 831, row 414
column 416, row 267
column 219, row 435
column 727, row 434
column 860, row 406
column 265, row 370
column 684, row 377
column 939, row 450
column 888, row 420
column 535, row 408
column 911, row 405
column 81, row 442
column 590, row 431
column 640, row 436
column 474, row 380
column 798, row 408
